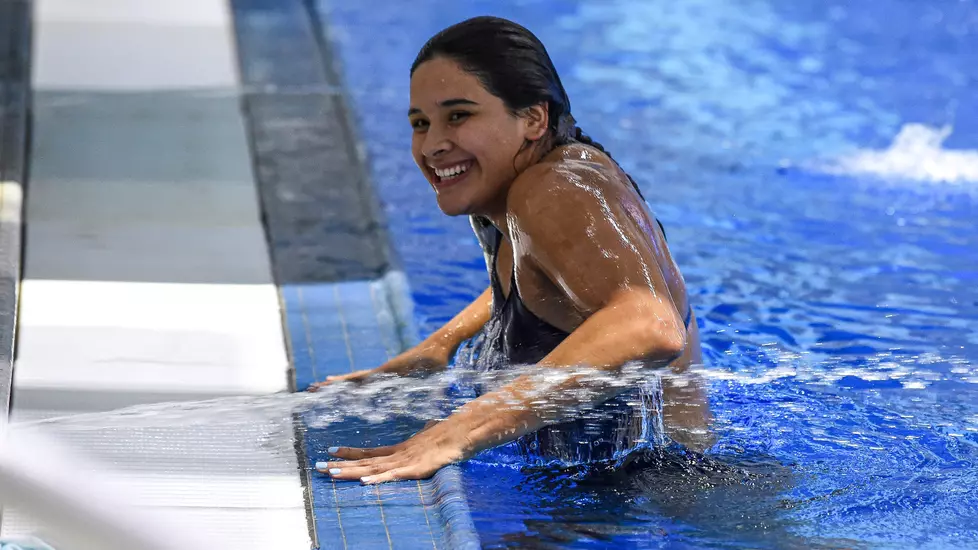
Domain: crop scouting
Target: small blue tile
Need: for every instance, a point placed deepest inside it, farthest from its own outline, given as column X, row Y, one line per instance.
column 368, row 358
column 333, row 359
column 355, row 294
column 364, row 333
column 325, row 322
column 360, row 317
column 316, row 297
column 359, row 517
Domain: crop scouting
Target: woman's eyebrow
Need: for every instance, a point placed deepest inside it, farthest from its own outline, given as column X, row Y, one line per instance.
column 446, row 103
column 457, row 101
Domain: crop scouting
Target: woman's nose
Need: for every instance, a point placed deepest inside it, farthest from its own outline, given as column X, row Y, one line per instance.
column 435, row 144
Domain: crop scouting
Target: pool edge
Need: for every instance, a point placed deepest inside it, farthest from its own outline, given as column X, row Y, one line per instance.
column 292, row 89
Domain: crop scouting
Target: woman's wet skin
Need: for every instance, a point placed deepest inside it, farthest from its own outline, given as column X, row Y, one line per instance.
column 589, row 259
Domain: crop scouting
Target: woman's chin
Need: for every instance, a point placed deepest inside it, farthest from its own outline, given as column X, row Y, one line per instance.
column 451, row 206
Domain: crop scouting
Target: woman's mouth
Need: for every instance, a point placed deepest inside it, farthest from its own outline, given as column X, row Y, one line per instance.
column 452, row 174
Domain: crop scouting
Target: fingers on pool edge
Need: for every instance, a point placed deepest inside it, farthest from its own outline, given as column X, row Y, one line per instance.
column 352, row 471
column 329, row 380
column 354, row 453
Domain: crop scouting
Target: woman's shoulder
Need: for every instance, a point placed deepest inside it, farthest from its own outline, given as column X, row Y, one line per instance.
column 573, row 172
column 579, row 157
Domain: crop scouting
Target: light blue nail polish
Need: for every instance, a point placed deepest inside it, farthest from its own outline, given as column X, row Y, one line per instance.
column 332, row 450
column 322, row 465
column 334, row 471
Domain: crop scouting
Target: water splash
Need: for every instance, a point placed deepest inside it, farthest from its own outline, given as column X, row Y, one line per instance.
column 775, row 421
column 917, row 154
column 389, row 398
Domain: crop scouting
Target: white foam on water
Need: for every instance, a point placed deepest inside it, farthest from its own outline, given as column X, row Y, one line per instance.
column 916, row 154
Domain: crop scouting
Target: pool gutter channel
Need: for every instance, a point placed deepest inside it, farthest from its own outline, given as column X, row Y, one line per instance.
column 292, row 78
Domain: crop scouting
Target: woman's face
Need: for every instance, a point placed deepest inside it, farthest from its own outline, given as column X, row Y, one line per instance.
column 465, row 139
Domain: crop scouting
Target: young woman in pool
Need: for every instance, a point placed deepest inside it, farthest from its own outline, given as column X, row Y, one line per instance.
column 580, row 273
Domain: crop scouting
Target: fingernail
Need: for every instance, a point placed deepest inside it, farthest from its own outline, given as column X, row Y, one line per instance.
column 334, row 471
column 332, row 450
column 321, row 466
column 365, row 479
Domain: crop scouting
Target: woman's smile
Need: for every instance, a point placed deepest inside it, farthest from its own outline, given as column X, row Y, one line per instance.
column 448, row 174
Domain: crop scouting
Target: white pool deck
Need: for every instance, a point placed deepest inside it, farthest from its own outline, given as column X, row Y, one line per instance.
column 147, row 273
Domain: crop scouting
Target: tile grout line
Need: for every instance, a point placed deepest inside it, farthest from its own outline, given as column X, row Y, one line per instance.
column 383, row 517
column 336, row 504
column 346, row 332
column 308, row 331
column 424, row 508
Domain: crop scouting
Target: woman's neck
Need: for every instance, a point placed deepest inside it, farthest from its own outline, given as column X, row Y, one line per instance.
column 497, row 212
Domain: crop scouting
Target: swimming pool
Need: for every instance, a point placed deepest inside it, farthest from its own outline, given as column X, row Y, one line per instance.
column 837, row 307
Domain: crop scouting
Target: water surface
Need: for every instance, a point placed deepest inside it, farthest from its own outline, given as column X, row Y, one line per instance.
column 838, row 310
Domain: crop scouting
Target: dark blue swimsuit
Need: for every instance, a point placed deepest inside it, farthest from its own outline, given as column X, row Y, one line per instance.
column 515, row 336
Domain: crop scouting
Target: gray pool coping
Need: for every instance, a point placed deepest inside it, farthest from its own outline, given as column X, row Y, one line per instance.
column 15, row 100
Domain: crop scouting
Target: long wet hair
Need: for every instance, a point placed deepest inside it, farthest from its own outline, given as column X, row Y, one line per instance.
column 513, row 65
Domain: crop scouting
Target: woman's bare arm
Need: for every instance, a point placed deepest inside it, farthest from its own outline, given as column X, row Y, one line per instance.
column 435, row 352
column 583, row 241
column 463, row 326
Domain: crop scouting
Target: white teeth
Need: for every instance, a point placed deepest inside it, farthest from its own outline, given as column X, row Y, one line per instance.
column 451, row 172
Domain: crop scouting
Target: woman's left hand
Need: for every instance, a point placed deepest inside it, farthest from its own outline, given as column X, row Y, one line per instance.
column 417, row 458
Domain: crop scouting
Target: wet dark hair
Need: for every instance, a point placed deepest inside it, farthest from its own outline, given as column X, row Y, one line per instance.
column 513, row 65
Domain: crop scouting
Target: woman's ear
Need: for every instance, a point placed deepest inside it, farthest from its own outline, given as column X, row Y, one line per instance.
column 537, row 120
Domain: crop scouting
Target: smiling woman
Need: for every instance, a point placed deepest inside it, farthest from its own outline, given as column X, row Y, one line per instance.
column 583, row 289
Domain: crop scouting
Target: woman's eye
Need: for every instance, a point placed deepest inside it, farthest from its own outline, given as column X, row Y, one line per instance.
column 419, row 124
column 458, row 116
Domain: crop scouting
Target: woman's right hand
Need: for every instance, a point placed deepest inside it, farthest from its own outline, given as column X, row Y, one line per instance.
column 426, row 358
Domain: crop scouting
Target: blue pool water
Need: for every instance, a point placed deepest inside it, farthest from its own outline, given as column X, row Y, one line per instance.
column 838, row 309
